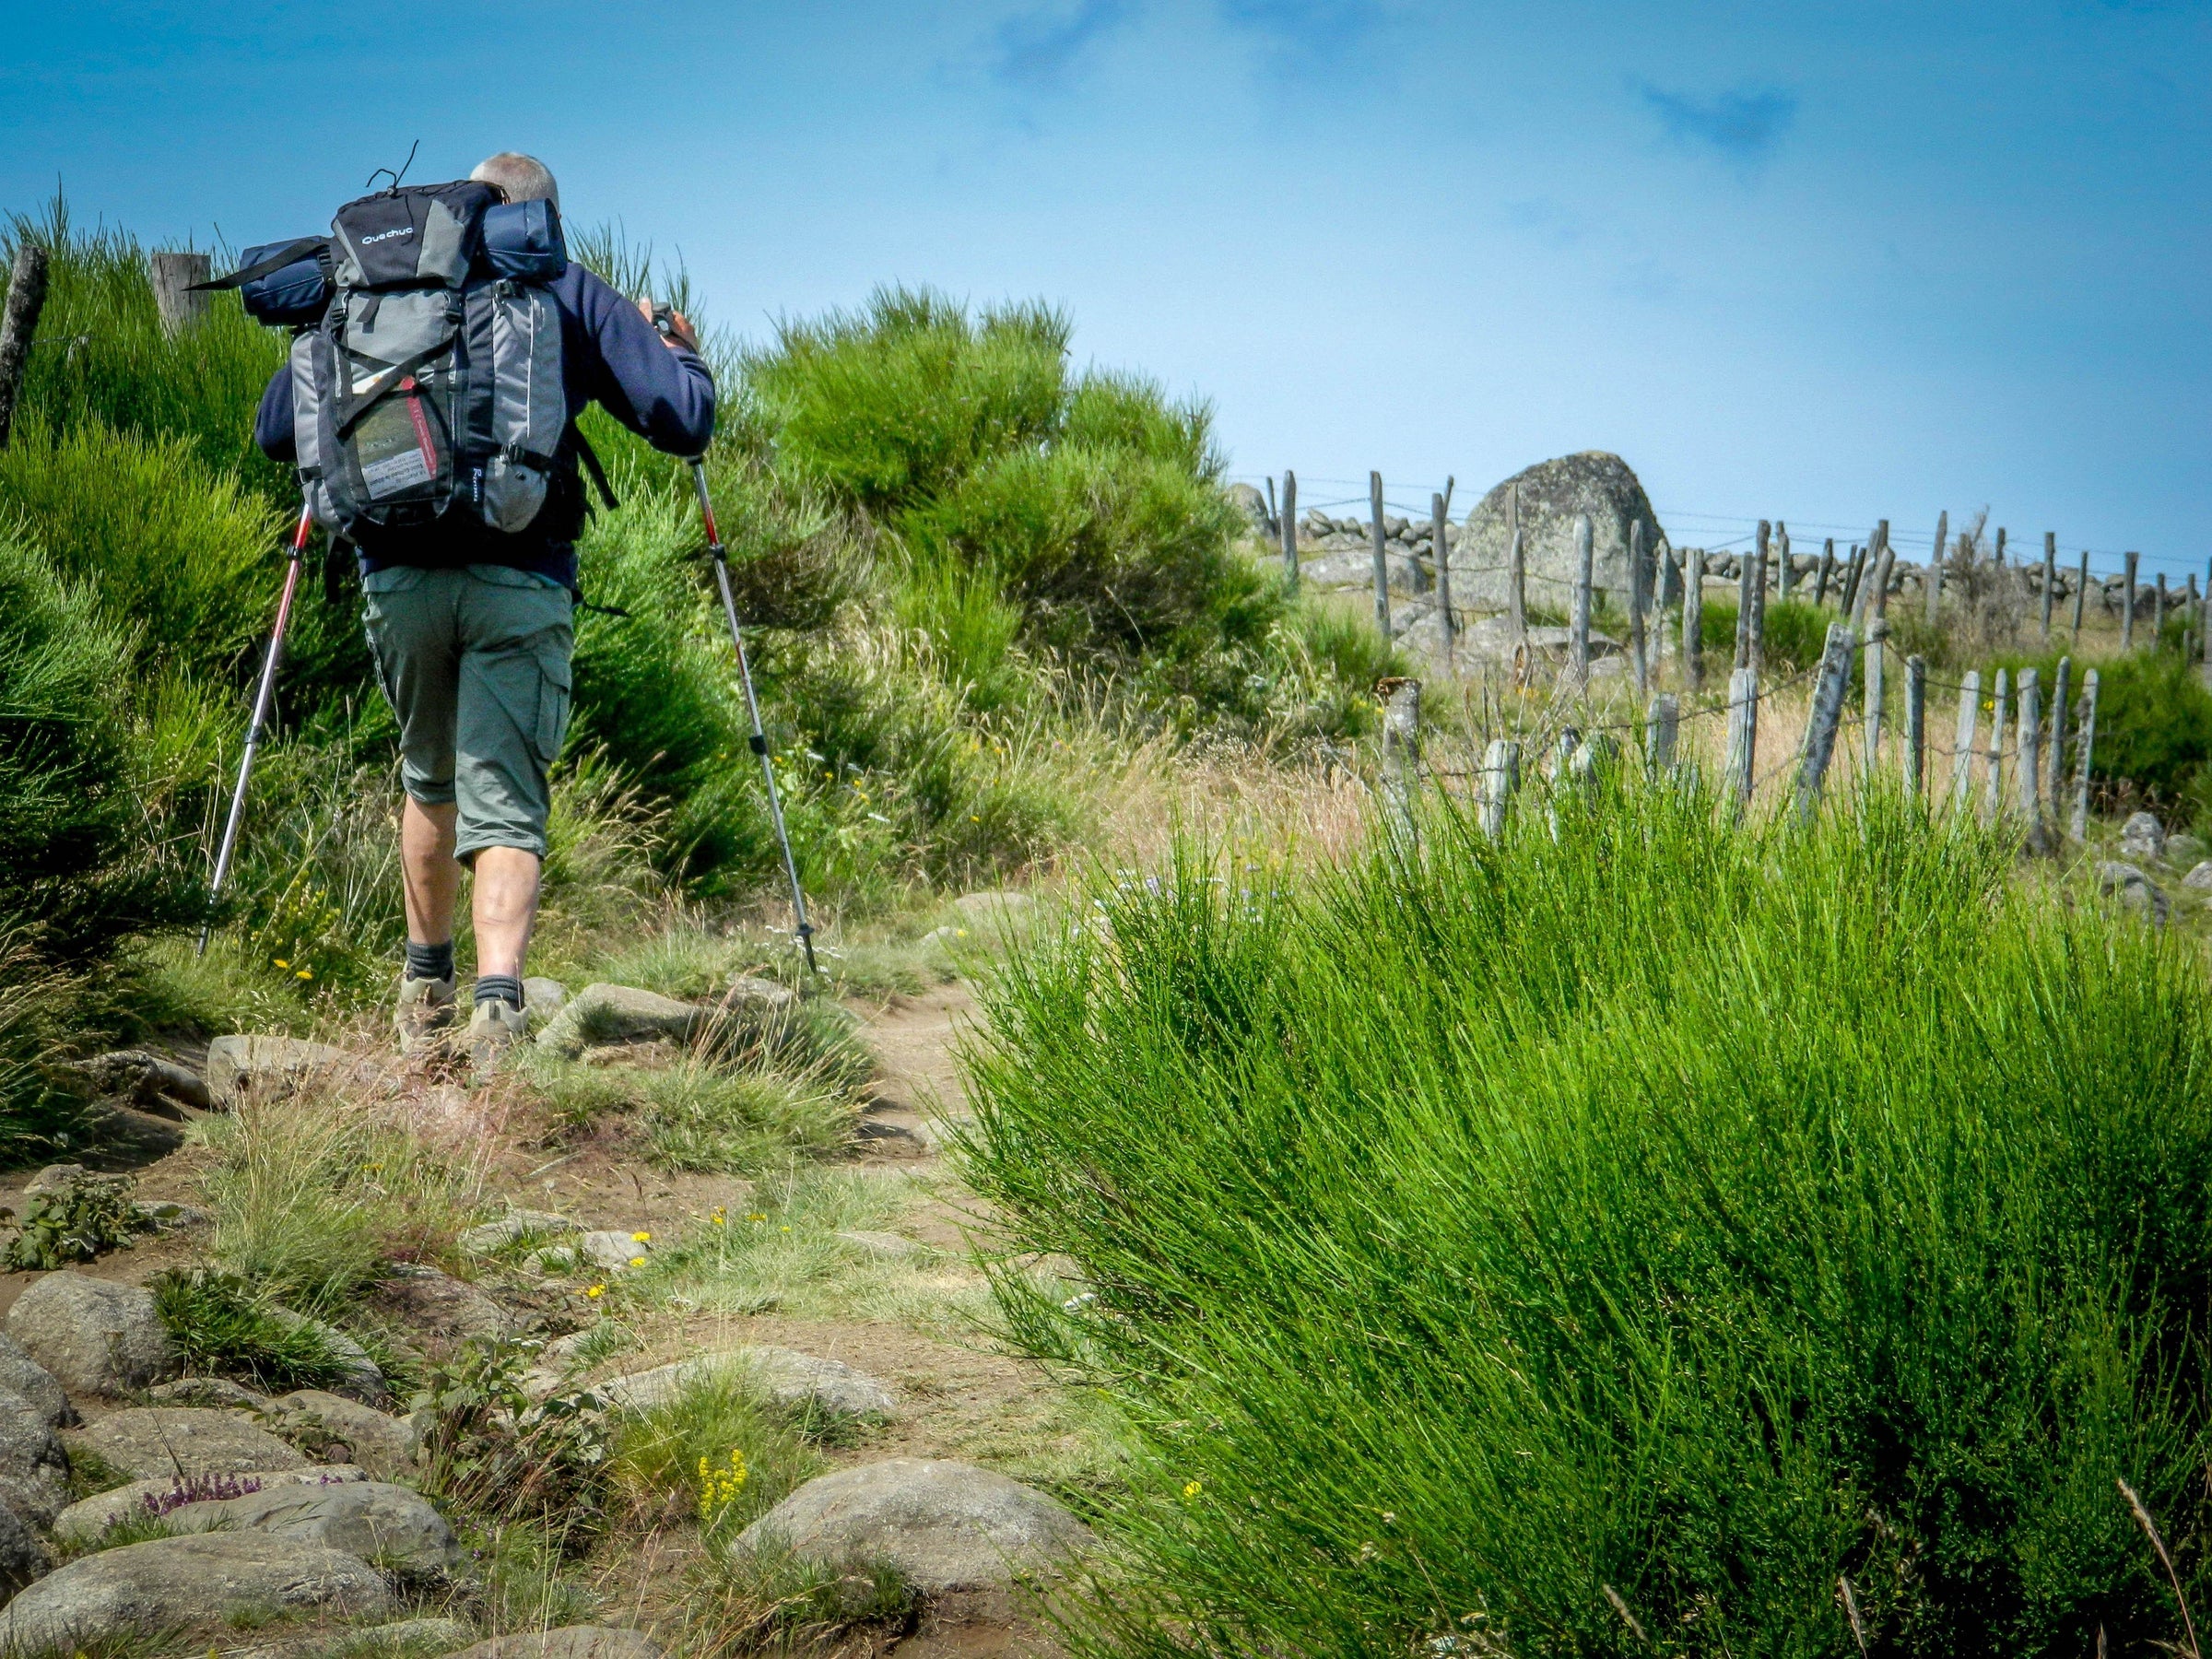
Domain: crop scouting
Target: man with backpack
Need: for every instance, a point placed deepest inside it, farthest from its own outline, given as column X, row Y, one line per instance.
column 431, row 411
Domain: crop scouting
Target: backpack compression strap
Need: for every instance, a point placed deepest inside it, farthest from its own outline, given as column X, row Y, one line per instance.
column 306, row 248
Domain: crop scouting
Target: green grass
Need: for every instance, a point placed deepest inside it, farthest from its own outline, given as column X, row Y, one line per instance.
column 1631, row 1208
column 218, row 1327
column 696, row 1114
column 674, row 1462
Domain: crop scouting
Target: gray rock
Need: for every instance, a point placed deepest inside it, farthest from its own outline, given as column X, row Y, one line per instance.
column 512, row 1228
column 543, row 998
column 54, row 1178
column 601, row 1014
column 413, row 1636
column 23, row 1559
column 657, row 1056
column 2142, row 837
column 146, row 1081
column 19, row 1373
column 784, row 1375
column 611, row 1249
column 1551, row 494
column 571, row 1642
column 383, row 1444
column 83, row 1521
column 2199, row 880
column 360, row 1378
column 389, row 1525
column 125, row 1138
column 167, row 1215
column 947, row 1526
column 449, row 1308
column 235, row 1063
column 890, row 1245
column 206, row 1390
column 34, row 1469
column 1253, row 507
column 2135, row 891
column 152, row 1440
column 1354, row 568
column 169, row 1583
column 95, row 1336
column 753, row 1008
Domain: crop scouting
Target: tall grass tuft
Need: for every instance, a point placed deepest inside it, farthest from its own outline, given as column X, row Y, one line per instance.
column 1628, row 1227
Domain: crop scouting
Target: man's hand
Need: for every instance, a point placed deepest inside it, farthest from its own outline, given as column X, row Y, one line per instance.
column 679, row 331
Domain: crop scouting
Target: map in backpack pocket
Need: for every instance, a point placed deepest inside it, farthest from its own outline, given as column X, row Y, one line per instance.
column 396, row 443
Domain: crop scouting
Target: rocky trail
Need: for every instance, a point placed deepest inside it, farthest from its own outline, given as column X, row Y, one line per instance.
column 149, row 1501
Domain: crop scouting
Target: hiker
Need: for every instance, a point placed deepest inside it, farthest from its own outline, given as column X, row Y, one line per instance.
column 470, row 625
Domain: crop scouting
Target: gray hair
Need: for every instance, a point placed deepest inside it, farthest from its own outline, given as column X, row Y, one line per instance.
column 523, row 178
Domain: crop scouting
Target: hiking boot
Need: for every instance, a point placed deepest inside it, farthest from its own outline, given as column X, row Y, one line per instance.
column 495, row 1028
column 425, row 1010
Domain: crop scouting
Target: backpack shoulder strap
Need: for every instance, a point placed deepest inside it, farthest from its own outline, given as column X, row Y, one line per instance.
column 590, row 457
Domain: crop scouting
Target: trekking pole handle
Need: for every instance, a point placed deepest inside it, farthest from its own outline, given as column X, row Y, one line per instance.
column 263, row 695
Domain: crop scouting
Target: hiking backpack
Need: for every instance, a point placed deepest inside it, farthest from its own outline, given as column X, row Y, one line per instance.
column 427, row 361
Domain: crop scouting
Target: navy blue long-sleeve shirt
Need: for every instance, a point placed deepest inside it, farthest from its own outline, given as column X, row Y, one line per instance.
column 610, row 356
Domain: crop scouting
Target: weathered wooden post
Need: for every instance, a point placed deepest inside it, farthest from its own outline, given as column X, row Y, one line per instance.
column 1737, row 773
column 1828, row 568
column 2190, row 606
column 1784, row 576
column 2203, row 617
column 1998, row 557
column 2028, row 770
column 1935, row 589
column 172, row 275
column 1275, row 512
column 2055, row 788
column 1662, row 725
column 1374, row 496
column 1993, row 793
column 2157, row 614
column 1963, row 746
column 1440, row 526
column 1500, row 776
column 1289, row 529
column 1638, row 660
column 1878, row 638
column 19, row 325
column 1916, row 723
column 1402, row 747
column 2050, row 579
column 1516, row 570
column 1827, row 716
column 1847, row 601
column 2127, row 606
column 1744, row 567
column 1864, row 574
column 1669, row 575
column 2084, row 747
column 1882, row 567
column 1757, row 634
column 1693, row 619
column 2081, row 594
column 1578, row 643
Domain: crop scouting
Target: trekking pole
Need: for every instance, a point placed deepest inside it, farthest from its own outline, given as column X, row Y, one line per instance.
column 263, row 696
column 752, row 708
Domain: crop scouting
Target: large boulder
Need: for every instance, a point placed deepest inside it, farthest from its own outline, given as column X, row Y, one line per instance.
column 603, row 1014
column 84, row 1520
column 1552, row 493
column 488, row 1238
column 945, row 1526
column 2142, row 838
column 359, row 1377
column 389, row 1525
column 571, row 1642
column 167, row 1584
column 20, row 1374
column 323, row 1422
column 444, row 1309
column 785, row 1375
column 95, row 1337
column 237, row 1064
column 23, row 1559
column 148, row 1441
column 2133, row 890
column 34, row 1470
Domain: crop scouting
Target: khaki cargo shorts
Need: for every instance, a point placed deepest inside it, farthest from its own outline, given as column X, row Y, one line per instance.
column 474, row 662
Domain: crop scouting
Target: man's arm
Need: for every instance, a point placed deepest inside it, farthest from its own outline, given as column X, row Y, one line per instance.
column 659, row 389
column 273, row 423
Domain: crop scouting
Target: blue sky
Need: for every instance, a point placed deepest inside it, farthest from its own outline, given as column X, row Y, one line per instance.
column 1820, row 262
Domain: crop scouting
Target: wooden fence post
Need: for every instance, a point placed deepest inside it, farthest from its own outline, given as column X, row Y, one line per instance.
column 1877, row 637
column 1275, row 512
column 1993, row 793
column 2204, row 615
column 1935, row 589
column 1500, row 776
column 2157, row 614
column 18, row 325
column 1997, row 558
column 1862, row 584
column 1579, row 641
column 2030, row 769
column 1916, row 724
column 2081, row 594
column 1743, row 566
column 2050, row 578
column 1693, row 618
column 1374, row 496
column 1440, row 526
column 1667, row 571
column 2055, row 788
column 2190, row 606
column 2084, row 747
column 172, row 275
column 1662, row 725
column 1739, row 773
column 1962, row 745
column 1289, row 528
column 1834, row 678
column 1881, row 568
column 1757, row 635
column 1827, row 567
column 2127, row 606
column 1639, row 658
column 1784, row 577
column 1402, row 747
column 1516, row 570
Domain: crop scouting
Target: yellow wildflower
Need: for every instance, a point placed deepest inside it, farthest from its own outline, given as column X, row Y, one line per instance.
column 642, row 1238
column 597, row 1290
column 280, row 961
column 304, row 973
column 719, row 1488
column 1191, row 1489
column 636, row 1260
